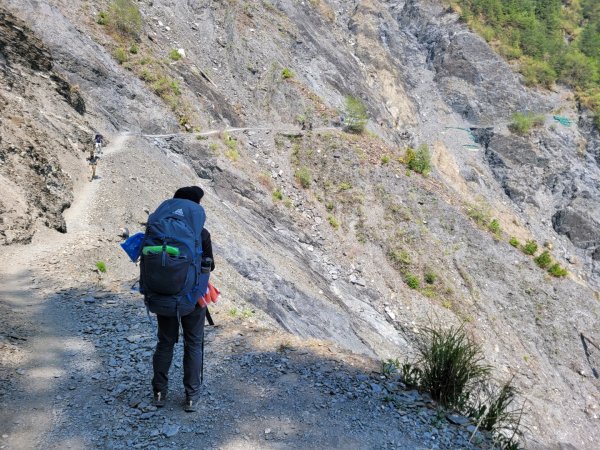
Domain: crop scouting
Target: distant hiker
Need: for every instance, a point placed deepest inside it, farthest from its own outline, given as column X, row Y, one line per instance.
column 93, row 162
column 176, row 263
column 98, row 142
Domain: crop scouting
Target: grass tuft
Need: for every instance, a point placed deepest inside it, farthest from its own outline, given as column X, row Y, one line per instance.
column 557, row 271
column 303, row 177
column 522, row 123
column 412, row 281
column 544, row 260
column 530, row 247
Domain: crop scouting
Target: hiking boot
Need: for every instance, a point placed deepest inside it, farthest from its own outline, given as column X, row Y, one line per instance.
column 159, row 399
column 190, row 405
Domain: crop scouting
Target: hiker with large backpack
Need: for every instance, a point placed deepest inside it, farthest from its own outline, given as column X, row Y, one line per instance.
column 175, row 266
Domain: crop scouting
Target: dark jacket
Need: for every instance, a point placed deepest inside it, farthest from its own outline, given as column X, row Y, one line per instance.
column 207, row 247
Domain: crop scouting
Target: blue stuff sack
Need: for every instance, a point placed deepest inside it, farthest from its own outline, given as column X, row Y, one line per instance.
column 133, row 246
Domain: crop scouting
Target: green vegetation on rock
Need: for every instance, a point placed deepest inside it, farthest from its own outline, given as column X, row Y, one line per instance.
column 553, row 40
column 355, row 115
column 421, row 162
column 450, row 366
column 303, row 177
column 544, row 260
column 124, row 17
column 530, row 247
column 412, row 281
column 175, row 55
column 430, row 277
column 522, row 123
column 333, row 222
column 494, row 227
column 557, row 271
column 277, row 195
column 120, row 55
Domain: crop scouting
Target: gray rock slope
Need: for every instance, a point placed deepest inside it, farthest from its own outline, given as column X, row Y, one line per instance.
column 425, row 79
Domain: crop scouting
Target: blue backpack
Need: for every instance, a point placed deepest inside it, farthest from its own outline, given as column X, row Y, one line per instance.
column 170, row 264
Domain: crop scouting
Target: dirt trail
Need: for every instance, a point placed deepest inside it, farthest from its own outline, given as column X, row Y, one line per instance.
column 286, row 129
column 40, row 363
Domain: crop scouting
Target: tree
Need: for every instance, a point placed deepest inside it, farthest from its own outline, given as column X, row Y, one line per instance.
column 356, row 115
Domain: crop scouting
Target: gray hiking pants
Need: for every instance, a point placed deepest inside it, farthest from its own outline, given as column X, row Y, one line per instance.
column 168, row 335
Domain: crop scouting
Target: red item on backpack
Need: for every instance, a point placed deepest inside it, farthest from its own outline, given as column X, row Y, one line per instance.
column 211, row 296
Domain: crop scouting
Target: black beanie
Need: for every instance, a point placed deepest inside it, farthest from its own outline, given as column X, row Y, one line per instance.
column 193, row 193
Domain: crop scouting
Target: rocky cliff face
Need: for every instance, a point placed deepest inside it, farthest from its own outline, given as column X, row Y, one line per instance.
column 425, row 79
column 41, row 127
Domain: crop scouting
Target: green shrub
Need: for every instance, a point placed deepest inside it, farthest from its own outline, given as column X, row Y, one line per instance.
column 522, row 123
column 125, row 18
column 245, row 313
column 303, row 177
column 430, row 277
column 230, row 142
column 175, row 87
column 451, row 368
column 409, row 156
column 356, row 116
column 344, row 186
column 120, row 55
column 428, row 291
column 232, row 154
column 537, row 72
column 479, row 213
column 400, row 259
column 421, row 163
column 385, row 159
column 277, row 195
column 390, row 366
column 329, row 206
column 165, row 87
column 530, row 247
column 557, row 271
column 578, row 70
column 451, row 365
column 333, row 222
column 411, row 375
column 412, row 281
column 134, row 49
column 494, row 226
column 544, row 260
column 147, row 75
column 102, row 18
column 514, row 242
column 101, row 267
column 495, row 410
column 175, row 55
column 287, row 73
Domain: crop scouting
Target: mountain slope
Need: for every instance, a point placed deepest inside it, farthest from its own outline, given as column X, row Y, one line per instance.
column 424, row 78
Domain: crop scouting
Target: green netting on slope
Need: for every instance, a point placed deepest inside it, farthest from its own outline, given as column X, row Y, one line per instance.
column 563, row 120
column 470, row 133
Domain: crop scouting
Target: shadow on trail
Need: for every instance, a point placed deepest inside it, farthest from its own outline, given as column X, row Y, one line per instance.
column 35, row 359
